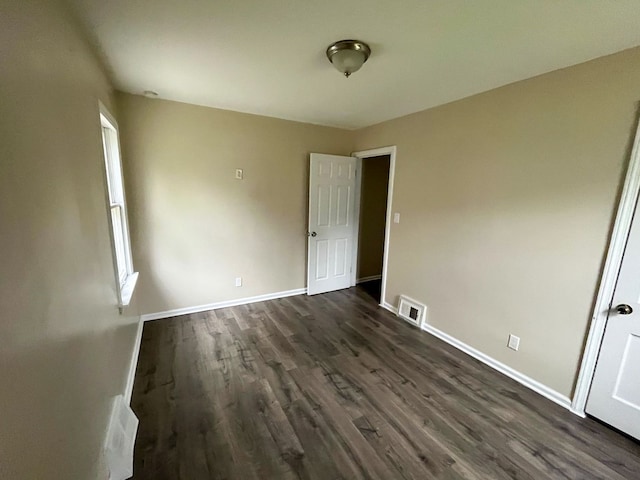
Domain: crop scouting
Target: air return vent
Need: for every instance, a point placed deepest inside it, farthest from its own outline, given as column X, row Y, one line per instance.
column 412, row 311
column 121, row 437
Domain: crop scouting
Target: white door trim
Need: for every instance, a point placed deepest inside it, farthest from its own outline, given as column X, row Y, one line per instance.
column 612, row 265
column 376, row 152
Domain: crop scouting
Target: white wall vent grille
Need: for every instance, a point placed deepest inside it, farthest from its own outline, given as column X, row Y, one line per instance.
column 412, row 311
column 121, row 438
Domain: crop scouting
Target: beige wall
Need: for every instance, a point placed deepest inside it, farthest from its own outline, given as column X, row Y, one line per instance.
column 373, row 209
column 195, row 227
column 506, row 200
column 64, row 349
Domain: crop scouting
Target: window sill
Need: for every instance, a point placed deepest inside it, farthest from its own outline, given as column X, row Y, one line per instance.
column 126, row 291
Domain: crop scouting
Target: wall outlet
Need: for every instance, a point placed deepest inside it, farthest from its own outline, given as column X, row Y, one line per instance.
column 239, row 173
column 396, row 218
column 514, row 342
column 238, row 281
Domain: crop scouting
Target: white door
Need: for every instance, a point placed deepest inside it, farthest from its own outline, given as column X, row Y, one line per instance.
column 332, row 182
column 615, row 391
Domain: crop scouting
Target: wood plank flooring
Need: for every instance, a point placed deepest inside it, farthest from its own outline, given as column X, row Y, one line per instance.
column 333, row 387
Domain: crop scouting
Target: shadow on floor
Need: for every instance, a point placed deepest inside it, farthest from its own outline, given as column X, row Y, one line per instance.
column 372, row 288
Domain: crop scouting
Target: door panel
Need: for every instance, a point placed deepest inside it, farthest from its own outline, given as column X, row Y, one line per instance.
column 341, row 257
column 615, row 391
column 344, row 192
column 324, row 205
column 331, row 222
column 627, row 387
column 322, row 259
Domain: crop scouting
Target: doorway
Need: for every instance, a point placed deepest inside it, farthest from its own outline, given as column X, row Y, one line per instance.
column 366, row 251
column 334, row 221
column 607, row 386
column 614, row 396
column 374, row 186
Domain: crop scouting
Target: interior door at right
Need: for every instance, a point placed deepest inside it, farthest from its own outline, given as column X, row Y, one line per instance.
column 615, row 392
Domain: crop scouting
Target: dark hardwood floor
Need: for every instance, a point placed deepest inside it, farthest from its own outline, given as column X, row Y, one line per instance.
column 333, row 387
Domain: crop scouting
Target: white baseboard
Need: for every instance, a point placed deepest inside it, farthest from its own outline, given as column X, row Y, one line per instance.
column 229, row 303
column 134, row 364
column 578, row 412
column 391, row 308
column 521, row 378
column 370, row 278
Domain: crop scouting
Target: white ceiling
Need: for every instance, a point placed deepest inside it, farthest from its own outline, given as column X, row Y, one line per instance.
column 268, row 56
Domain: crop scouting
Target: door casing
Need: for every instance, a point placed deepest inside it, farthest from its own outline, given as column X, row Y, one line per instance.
column 617, row 242
column 376, row 152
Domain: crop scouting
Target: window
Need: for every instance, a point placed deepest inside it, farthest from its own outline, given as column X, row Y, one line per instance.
column 126, row 278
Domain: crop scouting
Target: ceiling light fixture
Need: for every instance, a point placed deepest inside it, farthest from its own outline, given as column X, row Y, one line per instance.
column 348, row 55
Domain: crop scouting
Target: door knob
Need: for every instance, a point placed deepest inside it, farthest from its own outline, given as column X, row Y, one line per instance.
column 624, row 309
column 312, row 234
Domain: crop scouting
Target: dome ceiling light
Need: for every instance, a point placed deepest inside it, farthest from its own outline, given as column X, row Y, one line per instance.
column 348, row 55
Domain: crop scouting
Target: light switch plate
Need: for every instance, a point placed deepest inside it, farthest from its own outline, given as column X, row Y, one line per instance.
column 396, row 218
column 239, row 173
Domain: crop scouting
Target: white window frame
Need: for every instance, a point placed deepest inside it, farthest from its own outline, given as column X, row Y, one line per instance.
column 125, row 276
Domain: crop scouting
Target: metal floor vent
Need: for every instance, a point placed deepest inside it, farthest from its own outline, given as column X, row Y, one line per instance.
column 412, row 311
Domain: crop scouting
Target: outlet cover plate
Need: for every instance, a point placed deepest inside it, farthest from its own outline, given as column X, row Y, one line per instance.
column 514, row 342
